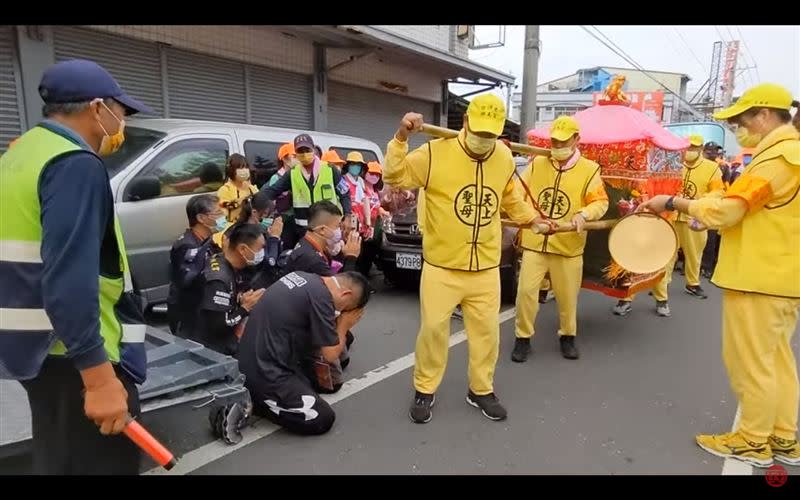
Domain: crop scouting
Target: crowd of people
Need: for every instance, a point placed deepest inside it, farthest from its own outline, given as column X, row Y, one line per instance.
column 278, row 276
column 317, row 215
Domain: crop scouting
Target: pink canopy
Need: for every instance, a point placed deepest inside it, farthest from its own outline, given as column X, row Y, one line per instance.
column 611, row 124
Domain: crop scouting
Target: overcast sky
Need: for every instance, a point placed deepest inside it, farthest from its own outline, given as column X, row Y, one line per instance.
column 682, row 49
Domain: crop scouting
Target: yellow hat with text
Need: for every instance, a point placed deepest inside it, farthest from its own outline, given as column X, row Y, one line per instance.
column 563, row 128
column 487, row 113
column 765, row 95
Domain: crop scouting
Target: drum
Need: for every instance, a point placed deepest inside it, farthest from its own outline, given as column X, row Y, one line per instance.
column 642, row 243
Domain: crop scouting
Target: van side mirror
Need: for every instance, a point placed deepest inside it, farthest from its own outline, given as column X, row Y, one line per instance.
column 144, row 188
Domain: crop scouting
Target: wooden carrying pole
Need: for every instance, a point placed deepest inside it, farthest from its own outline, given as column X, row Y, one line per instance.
column 446, row 133
column 566, row 228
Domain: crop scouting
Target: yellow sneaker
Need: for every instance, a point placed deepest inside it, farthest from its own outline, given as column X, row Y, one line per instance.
column 785, row 450
column 733, row 445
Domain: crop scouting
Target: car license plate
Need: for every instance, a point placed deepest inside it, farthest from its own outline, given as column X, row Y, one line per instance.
column 408, row 261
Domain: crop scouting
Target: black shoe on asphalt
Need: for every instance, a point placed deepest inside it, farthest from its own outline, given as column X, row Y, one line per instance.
column 696, row 291
column 488, row 404
column 568, row 349
column 420, row 411
column 522, row 348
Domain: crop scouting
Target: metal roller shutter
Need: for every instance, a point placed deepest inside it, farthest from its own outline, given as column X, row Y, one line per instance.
column 135, row 64
column 370, row 114
column 10, row 111
column 280, row 99
column 205, row 88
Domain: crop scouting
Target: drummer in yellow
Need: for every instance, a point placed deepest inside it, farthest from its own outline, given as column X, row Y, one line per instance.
column 467, row 181
column 701, row 178
column 568, row 188
column 759, row 273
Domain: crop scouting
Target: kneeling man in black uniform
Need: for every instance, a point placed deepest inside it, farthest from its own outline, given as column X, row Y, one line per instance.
column 225, row 304
column 280, row 350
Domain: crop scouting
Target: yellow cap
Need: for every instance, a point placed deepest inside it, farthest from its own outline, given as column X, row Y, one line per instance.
column 355, row 157
column 563, row 128
column 487, row 113
column 765, row 95
column 696, row 140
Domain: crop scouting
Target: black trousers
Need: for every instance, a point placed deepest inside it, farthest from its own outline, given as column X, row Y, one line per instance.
column 65, row 441
column 294, row 405
column 711, row 252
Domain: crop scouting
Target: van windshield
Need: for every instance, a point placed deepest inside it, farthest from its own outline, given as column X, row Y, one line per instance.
column 137, row 141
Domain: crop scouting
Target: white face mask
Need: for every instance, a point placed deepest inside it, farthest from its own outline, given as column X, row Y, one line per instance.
column 258, row 257
column 243, row 174
column 477, row 144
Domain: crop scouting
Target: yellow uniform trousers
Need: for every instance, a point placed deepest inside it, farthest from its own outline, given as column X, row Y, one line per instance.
column 441, row 290
column 566, row 274
column 756, row 335
column 692, row 243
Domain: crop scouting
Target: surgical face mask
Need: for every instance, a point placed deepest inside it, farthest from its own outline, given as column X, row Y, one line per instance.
column 258, row 257
column 692, row 156
column 110, row 144
column 220, row 223
column 242, row 174
column 747, row 139
column 354, row 170
column 746, row 160
column 337, row 236
column 372, row 178
column 561, row 154
column 477, row 144
column 266, row 222
column 306, row 158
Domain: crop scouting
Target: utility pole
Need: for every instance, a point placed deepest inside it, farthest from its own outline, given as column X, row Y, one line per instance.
column 530, row 72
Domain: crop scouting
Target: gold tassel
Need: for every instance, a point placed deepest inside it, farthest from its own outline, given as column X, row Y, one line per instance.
column 614, row 273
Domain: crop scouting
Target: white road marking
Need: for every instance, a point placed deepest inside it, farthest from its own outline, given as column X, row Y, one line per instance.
column 731, row 466
column 215, row 450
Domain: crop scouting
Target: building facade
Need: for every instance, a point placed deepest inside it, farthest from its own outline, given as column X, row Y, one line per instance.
column 357, row 80
column 572, row 93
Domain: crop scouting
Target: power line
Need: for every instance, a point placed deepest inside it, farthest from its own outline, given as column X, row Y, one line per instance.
column 721, row 36
column 670, row 42
column 690, row 49
column 621, row 53
column 752, row 57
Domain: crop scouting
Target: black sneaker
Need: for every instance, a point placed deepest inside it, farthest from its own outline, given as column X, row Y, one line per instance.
column 568, row 349
column 489, row 405
column 696, row 291
column 522, row 348
column 420, row 411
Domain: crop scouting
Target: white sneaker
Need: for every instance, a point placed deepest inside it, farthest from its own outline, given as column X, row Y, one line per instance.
column 622, row 308
column 662, row 309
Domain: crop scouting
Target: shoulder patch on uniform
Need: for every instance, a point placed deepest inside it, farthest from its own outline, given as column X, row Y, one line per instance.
column 292, row 280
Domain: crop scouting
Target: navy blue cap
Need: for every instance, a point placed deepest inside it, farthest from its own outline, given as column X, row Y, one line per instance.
column 79, row 80
column 303, row 141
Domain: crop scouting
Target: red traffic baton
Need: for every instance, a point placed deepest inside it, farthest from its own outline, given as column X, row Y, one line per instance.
column 150, row 445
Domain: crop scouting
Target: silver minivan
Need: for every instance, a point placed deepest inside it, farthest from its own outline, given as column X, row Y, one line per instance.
column 162, row 163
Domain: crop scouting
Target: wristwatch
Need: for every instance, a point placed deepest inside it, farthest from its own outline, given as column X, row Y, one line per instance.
column 670, row 204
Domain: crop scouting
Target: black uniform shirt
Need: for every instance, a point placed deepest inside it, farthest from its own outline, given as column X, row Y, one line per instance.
column 219, row 311
column 186, row 264
column 295, row 319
